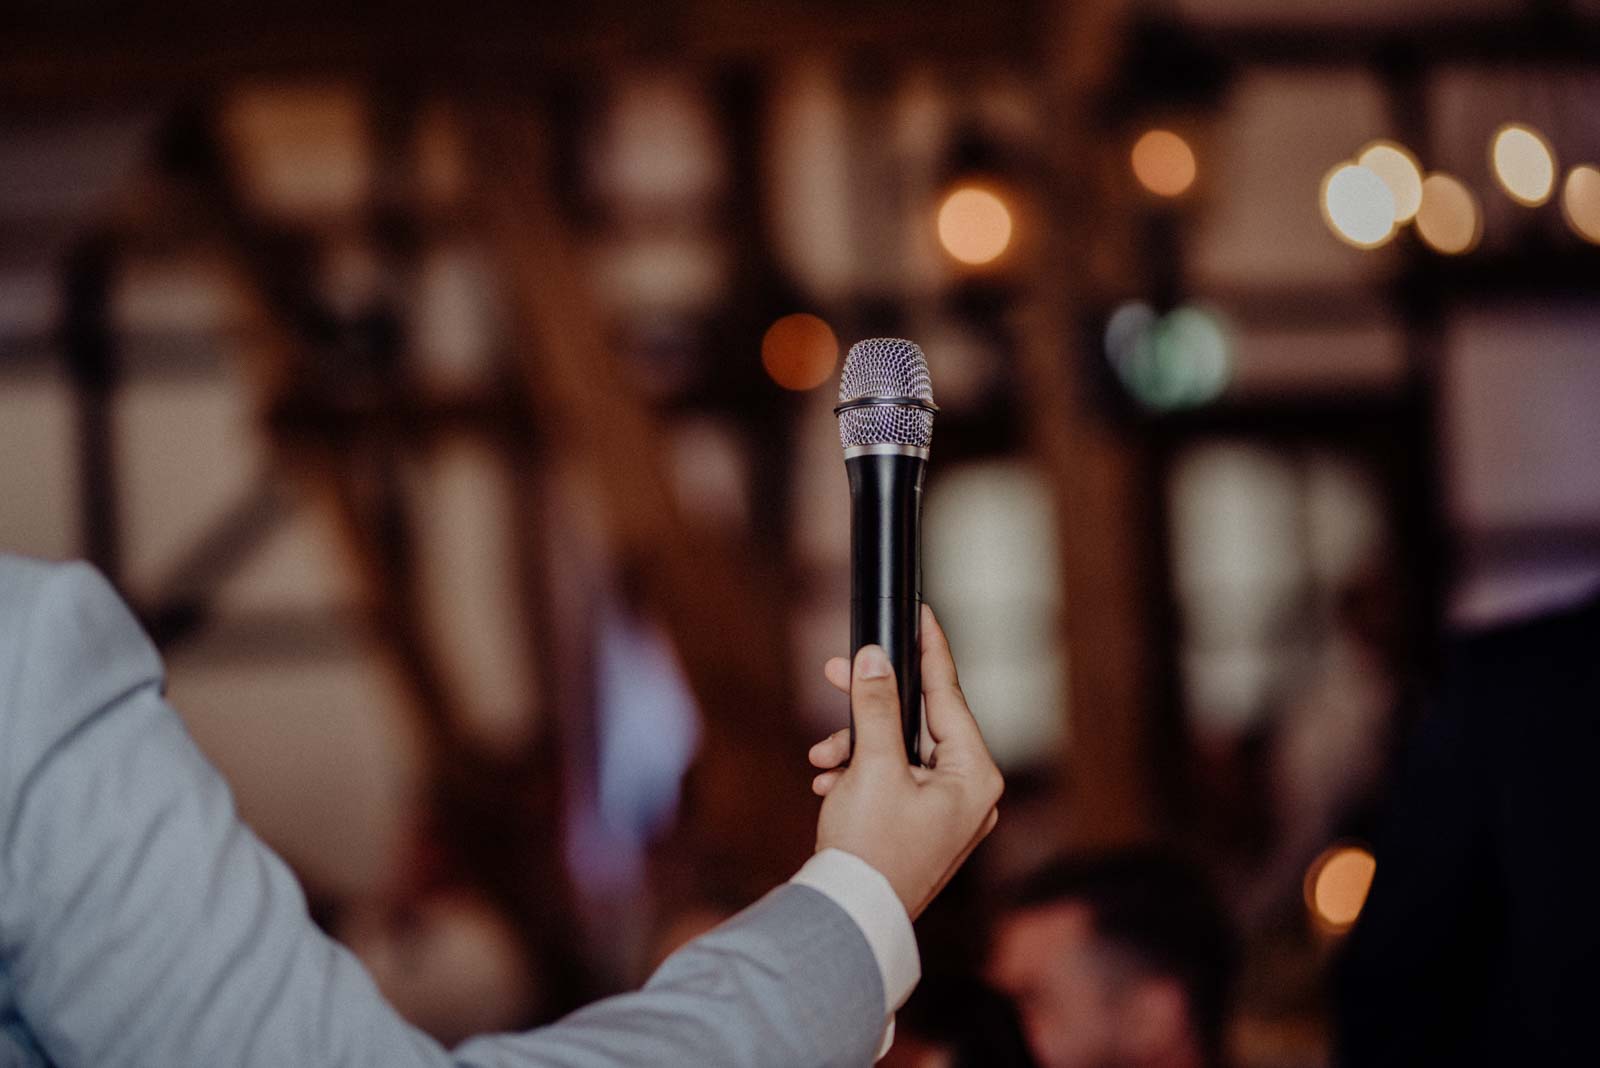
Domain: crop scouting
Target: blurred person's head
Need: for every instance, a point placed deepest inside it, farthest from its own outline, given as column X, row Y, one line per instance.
column 1119, row 959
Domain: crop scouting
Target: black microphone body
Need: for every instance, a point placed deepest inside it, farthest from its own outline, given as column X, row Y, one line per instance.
column 886, row 570
column 886, row 415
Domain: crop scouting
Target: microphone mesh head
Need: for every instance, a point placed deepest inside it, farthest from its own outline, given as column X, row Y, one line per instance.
column 885, row 367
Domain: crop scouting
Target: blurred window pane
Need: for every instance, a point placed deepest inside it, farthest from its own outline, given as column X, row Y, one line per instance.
column 991, row 569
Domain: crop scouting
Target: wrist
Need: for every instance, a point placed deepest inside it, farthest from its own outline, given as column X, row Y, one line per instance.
column 870, row 899
column 901, row 878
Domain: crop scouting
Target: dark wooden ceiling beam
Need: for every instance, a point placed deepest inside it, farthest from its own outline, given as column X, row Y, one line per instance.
column 150, row 53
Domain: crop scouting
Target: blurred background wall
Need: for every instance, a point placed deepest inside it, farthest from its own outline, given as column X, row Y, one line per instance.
column 449, row 391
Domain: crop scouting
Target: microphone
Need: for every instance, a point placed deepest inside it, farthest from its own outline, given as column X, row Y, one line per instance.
column 885, row 415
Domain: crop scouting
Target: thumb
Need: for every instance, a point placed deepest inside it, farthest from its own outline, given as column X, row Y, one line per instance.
column 875, row 707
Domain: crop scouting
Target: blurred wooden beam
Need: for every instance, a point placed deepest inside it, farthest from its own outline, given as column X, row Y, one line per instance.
column 183, row 601
column 1094, row 468
column 132, row 55
column 498, row 816
column 129, row 55
column 290, row 328
column 90, row 346
column 1546, row 36
column 722, row 606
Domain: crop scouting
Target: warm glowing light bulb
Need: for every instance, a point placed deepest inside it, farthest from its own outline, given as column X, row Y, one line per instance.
column 799, row 351
column 1357, row 206
column 1400, row 172
column 1337, row 885
column 1523, row 164
column 974, row 225
column 1580, row 201
column 1164, row 163
column 1449, row 220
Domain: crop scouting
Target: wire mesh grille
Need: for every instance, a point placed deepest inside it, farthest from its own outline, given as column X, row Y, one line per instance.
column 885, row 367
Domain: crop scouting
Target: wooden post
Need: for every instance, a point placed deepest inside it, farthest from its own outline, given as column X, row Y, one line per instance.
column 1092, row 466
column 748, row 805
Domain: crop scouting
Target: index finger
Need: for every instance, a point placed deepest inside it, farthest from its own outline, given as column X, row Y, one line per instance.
column 938, row 666
column 950, row 721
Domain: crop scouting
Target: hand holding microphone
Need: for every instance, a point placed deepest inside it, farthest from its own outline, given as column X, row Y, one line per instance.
column 916, row 825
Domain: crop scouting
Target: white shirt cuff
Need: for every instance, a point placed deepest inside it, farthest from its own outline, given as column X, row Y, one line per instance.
column 865, row 895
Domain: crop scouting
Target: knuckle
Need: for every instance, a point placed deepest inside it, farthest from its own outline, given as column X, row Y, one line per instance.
column 994, row 785
column 875, row 695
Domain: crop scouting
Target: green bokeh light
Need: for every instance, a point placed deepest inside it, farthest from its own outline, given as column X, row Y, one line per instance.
column 1179, row 360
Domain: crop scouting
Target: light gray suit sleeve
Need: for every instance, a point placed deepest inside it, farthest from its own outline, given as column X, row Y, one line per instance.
column 142, row 924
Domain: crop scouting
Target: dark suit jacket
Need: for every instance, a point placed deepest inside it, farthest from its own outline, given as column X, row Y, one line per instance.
column 1480, row 941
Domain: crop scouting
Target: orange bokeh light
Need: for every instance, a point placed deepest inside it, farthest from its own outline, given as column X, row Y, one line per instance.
column 1398, row 169
column 799, row 351
column 1337, row 885
column 1449, row 220
column 1580, row 202
column 1164, row 163
column 975, row 225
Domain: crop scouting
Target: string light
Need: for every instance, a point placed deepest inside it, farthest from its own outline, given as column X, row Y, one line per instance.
column 1358, row 206
column 1523, row 163
column 1164, row 163
column 1399, row 170
column 975, row 225
column 1449, row 220
column 1580, row 201
column 799, row 351
column 1337, row 884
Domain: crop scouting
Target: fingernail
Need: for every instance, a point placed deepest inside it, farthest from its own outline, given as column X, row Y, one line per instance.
column 871, row 663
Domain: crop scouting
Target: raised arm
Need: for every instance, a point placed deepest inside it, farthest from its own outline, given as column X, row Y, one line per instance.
column 142, row 923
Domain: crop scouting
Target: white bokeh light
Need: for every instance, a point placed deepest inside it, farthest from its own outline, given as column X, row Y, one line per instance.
column 1358, row 206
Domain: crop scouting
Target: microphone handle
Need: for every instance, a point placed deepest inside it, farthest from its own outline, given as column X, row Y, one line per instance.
column 886, row 574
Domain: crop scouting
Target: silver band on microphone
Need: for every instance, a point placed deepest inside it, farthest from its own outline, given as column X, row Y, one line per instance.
column 889, row 448
column 887, row 402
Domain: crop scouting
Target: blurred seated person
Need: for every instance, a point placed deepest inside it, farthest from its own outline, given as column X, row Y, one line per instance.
column 1119, row 959
column 1479, row 943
